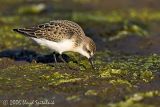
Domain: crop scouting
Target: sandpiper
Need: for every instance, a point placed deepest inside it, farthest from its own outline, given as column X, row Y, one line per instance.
column 61, row 36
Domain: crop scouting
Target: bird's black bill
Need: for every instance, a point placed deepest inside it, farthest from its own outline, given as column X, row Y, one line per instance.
column 91, row 62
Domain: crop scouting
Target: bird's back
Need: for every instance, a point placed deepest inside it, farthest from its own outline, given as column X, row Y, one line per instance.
column 56, row 30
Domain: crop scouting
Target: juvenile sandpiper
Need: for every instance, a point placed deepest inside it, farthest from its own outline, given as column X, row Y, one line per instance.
column 61, row 36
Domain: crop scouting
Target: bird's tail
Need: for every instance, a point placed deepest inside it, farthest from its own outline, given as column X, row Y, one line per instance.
column 24, row 31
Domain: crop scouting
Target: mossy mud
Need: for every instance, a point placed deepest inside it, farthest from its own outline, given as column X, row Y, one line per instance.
column 118, row 81
column 127, row 62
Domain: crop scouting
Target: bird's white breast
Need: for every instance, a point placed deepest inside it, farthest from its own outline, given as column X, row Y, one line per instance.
column 62, row 46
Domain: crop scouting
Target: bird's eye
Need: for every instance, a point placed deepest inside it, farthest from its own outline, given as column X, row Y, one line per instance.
column 89, row 51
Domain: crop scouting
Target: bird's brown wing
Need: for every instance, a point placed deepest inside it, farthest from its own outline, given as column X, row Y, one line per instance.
column 54, row 31
column 71, row 25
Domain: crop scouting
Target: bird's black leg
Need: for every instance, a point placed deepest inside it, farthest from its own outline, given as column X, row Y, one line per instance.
column 54, row 55
column 60, row 56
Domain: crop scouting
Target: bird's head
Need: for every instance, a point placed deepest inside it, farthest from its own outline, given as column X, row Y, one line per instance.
column 88, row 49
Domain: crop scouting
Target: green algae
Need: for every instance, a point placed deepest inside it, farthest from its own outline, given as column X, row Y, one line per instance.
column 91, row 93
column 117, row 16
column 120, row 68
column 73, row 98
column 18, row 75
column 117, row 74
column 57, row 79
column 146, row 76
column 104, row 74
column 120, row 82
column 134, row 101
column 32, row 9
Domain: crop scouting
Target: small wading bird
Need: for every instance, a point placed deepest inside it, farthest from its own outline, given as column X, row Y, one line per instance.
column 61, row 36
